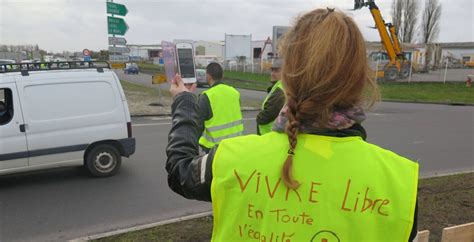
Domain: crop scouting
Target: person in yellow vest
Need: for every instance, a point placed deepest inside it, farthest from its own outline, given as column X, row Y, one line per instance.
column 220, row 116
column 314, row 177
column 273, row 102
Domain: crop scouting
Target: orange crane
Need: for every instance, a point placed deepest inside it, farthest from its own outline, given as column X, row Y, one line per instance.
column 267, row 42
column 398, row 66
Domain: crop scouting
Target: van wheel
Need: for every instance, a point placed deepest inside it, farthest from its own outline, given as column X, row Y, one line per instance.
column 103, row 161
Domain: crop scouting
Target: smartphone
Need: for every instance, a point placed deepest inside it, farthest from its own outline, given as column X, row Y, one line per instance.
column 186, row 67
column 169, row 59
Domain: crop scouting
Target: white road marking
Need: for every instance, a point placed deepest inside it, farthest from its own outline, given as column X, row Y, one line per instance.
column 150, row 124
column 160, row 124
column 376, row 114
column 160, row 118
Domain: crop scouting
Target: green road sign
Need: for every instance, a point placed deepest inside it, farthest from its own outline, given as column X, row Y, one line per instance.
column 117, row 26
column 115, row 8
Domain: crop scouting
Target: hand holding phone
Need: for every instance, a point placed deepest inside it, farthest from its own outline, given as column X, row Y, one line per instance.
column 178, row 86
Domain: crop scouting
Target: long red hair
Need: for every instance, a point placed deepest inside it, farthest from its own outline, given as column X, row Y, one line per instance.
column 325, row 67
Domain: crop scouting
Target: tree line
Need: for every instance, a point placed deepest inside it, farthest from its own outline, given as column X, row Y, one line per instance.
column 405, row 18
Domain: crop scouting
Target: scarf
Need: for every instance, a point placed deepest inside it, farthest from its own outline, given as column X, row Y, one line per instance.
column 339, row 119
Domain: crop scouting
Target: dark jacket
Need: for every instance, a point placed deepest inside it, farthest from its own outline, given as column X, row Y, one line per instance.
column 271, row 108
column 189, row 173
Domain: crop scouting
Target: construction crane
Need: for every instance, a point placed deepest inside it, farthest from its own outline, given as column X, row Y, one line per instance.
column 267, row 42
column 396, row 43
column 398, row 65
column 262, row 64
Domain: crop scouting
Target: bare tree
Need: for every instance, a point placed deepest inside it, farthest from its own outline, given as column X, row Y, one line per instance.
column 430, row 26
column 397, row 19
column 430, row 21
column 411, row 20
column 405, row 18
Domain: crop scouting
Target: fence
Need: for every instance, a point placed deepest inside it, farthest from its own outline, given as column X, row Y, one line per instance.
column 444, row 74
column 459, row 233
column 255, row 66
column 416, row 74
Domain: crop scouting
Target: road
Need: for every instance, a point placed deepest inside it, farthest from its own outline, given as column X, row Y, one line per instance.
column 58, row 205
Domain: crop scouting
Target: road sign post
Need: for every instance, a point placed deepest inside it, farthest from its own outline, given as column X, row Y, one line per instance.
column 121, row 50
column 87, row 55
column 159, row 79
column 116, row 65
column 117, row 41
column 119, row 58
column 117, row 26
column 116, row 9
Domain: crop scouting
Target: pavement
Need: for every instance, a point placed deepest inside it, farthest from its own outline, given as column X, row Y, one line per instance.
column 63, row 204
column 438, row 75
column 452, row 75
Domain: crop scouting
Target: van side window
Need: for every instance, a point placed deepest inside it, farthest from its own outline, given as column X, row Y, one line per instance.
column 6, row 106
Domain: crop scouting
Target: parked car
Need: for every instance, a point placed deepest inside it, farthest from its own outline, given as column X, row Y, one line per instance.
column 70, row 117
column 131, row 68
column 5, row 61
column 201, row 78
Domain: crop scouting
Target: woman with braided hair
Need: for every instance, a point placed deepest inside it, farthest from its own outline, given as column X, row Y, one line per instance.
column 314, row 177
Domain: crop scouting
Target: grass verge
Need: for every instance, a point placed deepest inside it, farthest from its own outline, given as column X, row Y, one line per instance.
column 451, row 92
column 132, row 87
column 140, row 97
column 150, row 69
column 442, row 202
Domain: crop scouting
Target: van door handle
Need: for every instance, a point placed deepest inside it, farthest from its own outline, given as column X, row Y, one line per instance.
column 22, row 128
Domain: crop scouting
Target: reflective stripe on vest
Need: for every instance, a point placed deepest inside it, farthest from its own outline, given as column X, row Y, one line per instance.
column 267, row 128
column 226, row 121
column 220, row 138
column 350, row 190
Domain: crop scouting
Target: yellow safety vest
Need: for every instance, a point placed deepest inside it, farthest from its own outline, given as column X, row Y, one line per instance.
column 226, row 121
column 267, row 128
column 350, row 191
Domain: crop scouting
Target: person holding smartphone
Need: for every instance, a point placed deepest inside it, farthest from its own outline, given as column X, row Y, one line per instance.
column 314, row 177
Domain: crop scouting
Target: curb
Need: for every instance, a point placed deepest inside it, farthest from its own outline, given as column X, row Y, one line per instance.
column 250, row 109
column 435, row 175
column 426, row 102
column 141, row 227
column 151, row 115
column 244, row 109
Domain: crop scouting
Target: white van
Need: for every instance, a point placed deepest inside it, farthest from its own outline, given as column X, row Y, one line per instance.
column 64, row 114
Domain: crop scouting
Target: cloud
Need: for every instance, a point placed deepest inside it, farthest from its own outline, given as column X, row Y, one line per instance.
column 73, row 25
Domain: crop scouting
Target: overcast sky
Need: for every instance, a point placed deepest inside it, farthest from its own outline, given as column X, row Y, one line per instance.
column 57, row 25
